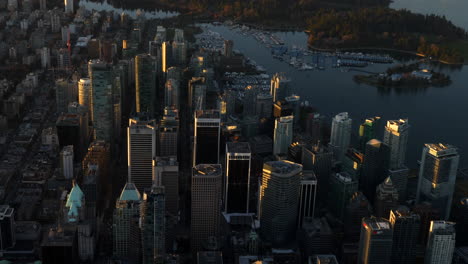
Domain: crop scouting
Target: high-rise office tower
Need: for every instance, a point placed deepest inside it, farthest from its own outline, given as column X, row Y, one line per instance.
column 206, row 142
column 237, row 183
column 405, row 225
column 100, row 75
column 153, row 225
column 65, row 93
column 437, row 175
column 7, row 227
column 352, row 162
column 167, row 144
column 400, row 181
column 279, row 199
column 206, row 204
column 280, row 87
column 70, row 132
column 166, row 173
column 166, row 54
column 145, row 83
column 141, row 147
column 282, row 108
column 294, row 102
column 319, row 159
column 315, row 125
column 307, row 197
column 375, row 167
column 45, row 57
column 375, row 244
column 250, row 101
column 342, row 188
column 69, row 6
column 264, row 105
column 396, row 138
column 340, row 134
column 179, row 47
column 367, row 131
column 197, row 93
column 386, row 198
column 171, row 93
column 227, row 48
column 358, row 208
column 461, row 217
column 126, row 234
column 283, row 134
column 85, row 94
column 427, row 213
column 66, row 162
column 441, row 243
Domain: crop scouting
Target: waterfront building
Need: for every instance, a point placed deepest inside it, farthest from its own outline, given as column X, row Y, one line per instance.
column 283, row 134
column 405, row 225
column 279, row 200
column 375, row 244
column 367, row 131
column 396, row 138
column 206, row 204
column 441, row 243
column 237, row 181
column 280, row 87
column 206, row 143
column 437, row 175
column 340, row 135
column 141, row 142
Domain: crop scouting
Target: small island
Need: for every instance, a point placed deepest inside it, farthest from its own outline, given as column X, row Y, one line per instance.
column 411, row 75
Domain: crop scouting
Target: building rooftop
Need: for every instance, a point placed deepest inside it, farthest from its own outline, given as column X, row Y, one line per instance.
column 344, row 177
column 440, row 149
column 67, row 119
column 397, row 125
column 238, row 147
column 130, row 193
column 341, row 117
column 282, row 167
column 376, row 224
column 208, row 114
column 207, row 170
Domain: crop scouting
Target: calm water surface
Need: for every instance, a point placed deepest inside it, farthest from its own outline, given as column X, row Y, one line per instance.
column 435, row 114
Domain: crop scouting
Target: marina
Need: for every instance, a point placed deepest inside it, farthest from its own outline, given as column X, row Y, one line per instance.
column 298, row 57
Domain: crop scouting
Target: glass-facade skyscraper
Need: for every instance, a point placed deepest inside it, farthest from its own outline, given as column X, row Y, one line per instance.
column 437, row 175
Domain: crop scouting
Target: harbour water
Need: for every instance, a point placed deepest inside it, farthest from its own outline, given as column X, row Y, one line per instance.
column 436, row 114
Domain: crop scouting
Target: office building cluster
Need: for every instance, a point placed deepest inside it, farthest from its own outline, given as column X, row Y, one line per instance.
column 123, row 141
